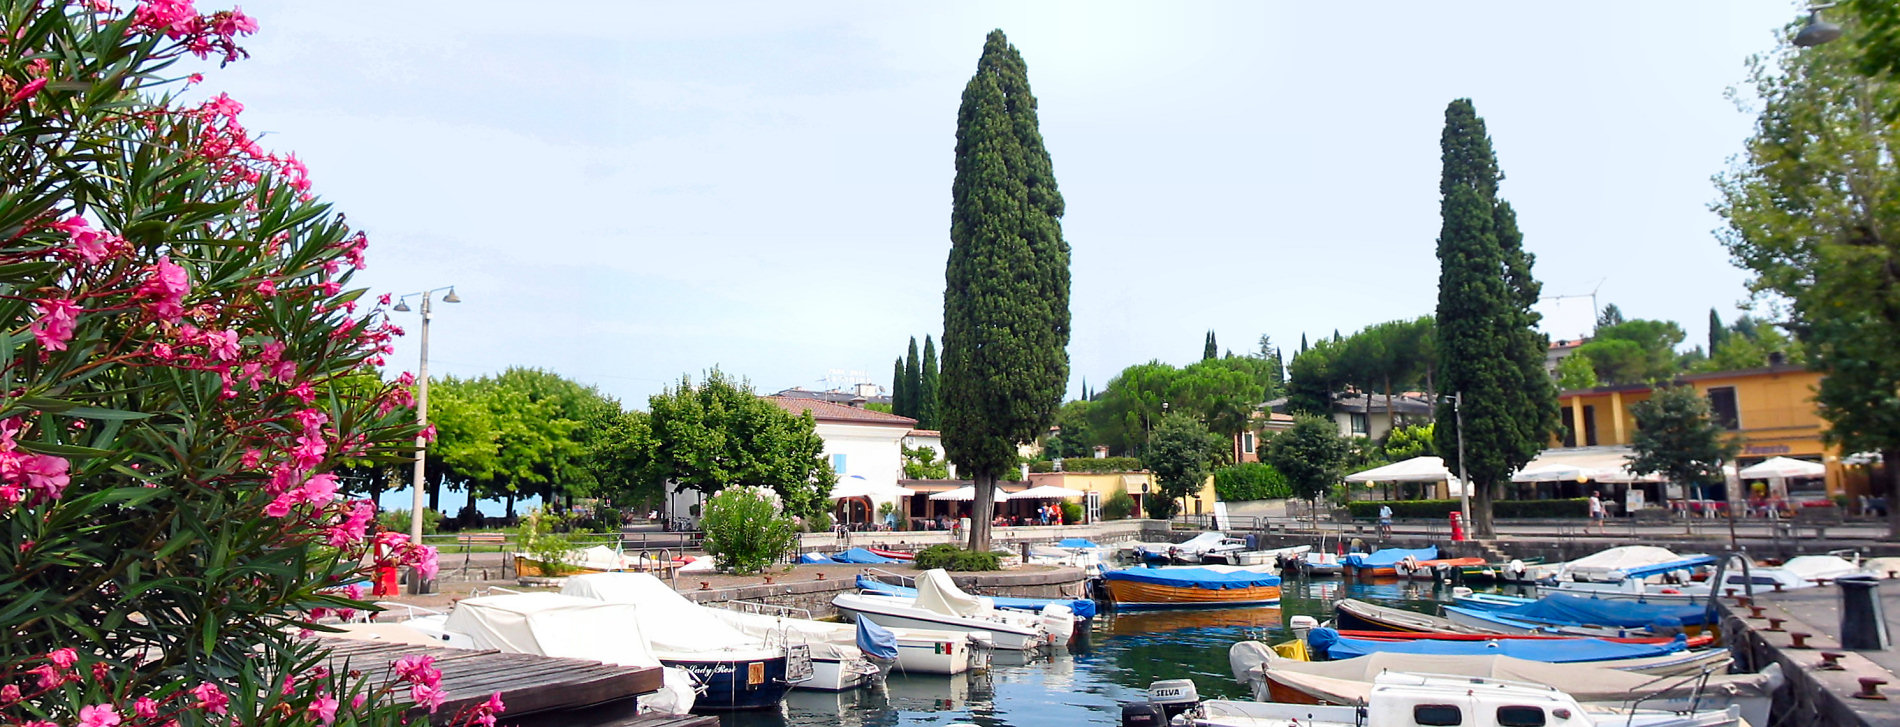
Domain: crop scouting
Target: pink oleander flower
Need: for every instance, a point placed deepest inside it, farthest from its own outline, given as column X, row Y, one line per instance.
column 425, row 562
column 324, row 708
column 303, row 392
column 250, row 459
column 427, row 696
column 45, row 475
column 494, row 704
column 222, row 344
column 267, row 289
column 224, row 106
column 25, row 92
column 280, row 507
column 54, row 327
column 98, row 715
column 166, row 285
column 88, row 244
column 210, row 698
column 49, row 676
column 63, row 658
column 9, row 694
column 357, row 701
column 145, row 708
column 418, row 668
column 319, row 490
column 311, row 419
column 428, row 434
column 11, row 495
column 235, row 23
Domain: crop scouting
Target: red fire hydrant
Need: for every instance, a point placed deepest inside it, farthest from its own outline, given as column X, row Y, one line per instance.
column 1457, row 527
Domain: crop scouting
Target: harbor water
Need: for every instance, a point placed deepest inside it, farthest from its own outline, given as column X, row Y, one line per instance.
column 1085, row 683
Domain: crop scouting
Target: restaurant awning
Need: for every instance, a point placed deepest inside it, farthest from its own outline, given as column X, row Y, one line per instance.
column 1048, row 492
column 967, row 494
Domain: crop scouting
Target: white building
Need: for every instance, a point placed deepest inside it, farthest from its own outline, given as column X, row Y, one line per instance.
column 860, row 444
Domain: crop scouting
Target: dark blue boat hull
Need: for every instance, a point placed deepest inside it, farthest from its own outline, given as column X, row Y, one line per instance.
column 744, row 684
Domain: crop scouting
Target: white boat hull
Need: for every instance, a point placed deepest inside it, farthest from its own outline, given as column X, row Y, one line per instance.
column 896, row 613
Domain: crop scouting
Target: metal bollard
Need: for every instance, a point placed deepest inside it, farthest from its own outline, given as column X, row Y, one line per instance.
column 1863, row 625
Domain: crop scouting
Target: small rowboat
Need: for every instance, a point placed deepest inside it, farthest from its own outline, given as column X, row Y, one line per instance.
column 1431, row 570
column 1132, row 588
column 1358, row 616
column 1694, row 642
column 893, row 554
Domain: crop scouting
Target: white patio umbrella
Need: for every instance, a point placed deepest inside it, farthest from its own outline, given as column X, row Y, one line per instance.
column 857, row 486
column 1416, row 469
column 967, row 494
column 1783, row 467
column 1048, row 492
column 1549, row 473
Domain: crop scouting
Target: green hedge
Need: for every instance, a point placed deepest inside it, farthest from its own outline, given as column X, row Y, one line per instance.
column 1251, row 481
column 1579, row 507
column 1090, row 464
column 953, row 558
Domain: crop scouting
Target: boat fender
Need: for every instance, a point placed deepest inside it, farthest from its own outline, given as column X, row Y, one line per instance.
column 1461, row 592
column 1515, row 568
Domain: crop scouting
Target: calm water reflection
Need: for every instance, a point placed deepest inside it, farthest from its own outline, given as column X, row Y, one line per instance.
column 1085, row 684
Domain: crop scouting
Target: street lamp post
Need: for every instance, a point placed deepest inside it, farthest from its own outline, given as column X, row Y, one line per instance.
column 422, row 417
column 1464, row 483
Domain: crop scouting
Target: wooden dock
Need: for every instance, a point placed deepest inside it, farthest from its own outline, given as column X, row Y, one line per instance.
column 578, row 691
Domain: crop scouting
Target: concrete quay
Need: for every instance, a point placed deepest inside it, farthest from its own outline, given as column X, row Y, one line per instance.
column 1828, row 686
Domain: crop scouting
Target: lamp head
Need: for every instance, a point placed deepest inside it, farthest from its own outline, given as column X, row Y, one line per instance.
column 1816, row 32
column 402, row 306
column 451, row 297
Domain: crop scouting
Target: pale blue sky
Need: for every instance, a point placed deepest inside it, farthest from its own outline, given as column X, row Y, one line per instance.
column 627, row 192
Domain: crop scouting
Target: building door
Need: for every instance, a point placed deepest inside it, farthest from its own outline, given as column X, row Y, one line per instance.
column 1092, row 507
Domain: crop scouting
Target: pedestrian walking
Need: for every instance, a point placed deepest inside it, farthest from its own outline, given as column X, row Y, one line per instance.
column 1596, row 511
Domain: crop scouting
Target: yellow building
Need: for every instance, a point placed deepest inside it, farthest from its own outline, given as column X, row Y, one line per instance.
column 1139, row 485
column 1769, row 411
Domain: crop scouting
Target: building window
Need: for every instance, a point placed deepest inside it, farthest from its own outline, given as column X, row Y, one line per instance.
column 1589, row 427
column 1722, row 408
column 1358, row 424
column 1246, row 442
column 837, row 463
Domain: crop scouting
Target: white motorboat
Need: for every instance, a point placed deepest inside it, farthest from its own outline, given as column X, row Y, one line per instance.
column 1399, row 699
column 1273, row 678
column 919, row 651
column 1801, row 571
column 940, row 605
column 1610, row 565
column 1192, row 550
column 740, row 671
column 546, row 624
column 1271, row 557
column 1321, row 564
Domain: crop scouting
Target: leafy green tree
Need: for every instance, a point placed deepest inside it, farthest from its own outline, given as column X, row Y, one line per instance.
column 1118, row 506
column 1406, row 442
column 747, row 529
column 1811, row 214
column 1076, row 438
column 1752, row 343
column 921, row 463
column 1312, row 381
column 1006, row 295
column 1576, row 373
column 1634, row 351
column 1609, row 316
column 1182, row 456
column 719, row 434
column 929, row 405
column 1210, row 351
column 1489, row 351
column 1123, row 415
column 913, row 382
column 1250, row 481
column 618, row 455
column 1676, row 437
column 1309, row 455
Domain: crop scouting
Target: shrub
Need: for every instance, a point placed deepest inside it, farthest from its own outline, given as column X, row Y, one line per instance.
column 1092, row 465
column 1071, row 513
column 1118, row 506
column 747, row 529
column 1501, row 508
column 541, row 536
column 953, row 558
column 397, row 521
column 1251, row 481
column 186, row 366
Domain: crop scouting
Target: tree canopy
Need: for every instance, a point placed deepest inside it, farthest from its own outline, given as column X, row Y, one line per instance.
column 1310, row 455
column 719, row 433
column 1006, row 292
column 1675, row 437
column 1182, row 457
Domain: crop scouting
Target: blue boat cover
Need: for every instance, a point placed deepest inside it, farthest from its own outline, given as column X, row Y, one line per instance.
column 1194, row 578
column 876, row 640
column 1556, row 651
column 1076, row 543
column 1082, row 608
column 1686, row 563
column 1390, row 556
column 820, row 558
column 861, row 556
column 1567, row 610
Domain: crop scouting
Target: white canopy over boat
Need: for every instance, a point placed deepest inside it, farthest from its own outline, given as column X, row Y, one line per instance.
column 1598, row 567
column 552, row 624
column 677, row 628
column 935, row 591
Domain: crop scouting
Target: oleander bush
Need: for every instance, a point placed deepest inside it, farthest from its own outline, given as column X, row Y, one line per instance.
column 953, row 558
column 184, row 366
column 747, row 529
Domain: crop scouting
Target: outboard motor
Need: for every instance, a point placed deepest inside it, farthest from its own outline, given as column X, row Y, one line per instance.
column 1301, row 625
column 1143, row 714
column 1174, row 696
column 1059, row 621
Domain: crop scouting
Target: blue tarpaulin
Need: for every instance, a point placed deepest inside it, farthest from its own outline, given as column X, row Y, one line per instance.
column 1686, row 563
column 1567, row 610
column 819, row 558
column 861, row 556
column 1081, row 607
column 1076, row 543
column 1390, row 556
column 876, row 641
column 1194, row 577
column 1558, row 651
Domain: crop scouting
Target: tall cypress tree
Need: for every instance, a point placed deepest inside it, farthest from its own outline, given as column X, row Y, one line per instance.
column 1302, row 344
column 1487, row 342
column 1209, row 351
column 928, row 410
column 1006, row 293
column 1718, row 334
column 900, row 387
column 913, row 383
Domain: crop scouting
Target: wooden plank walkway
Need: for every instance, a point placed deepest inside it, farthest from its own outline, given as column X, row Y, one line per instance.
column 528, row 684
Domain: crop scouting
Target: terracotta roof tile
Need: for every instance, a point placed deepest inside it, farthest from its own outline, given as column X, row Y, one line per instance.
column 826, row 411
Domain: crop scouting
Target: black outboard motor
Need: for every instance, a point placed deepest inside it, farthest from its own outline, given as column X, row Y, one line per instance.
column 1167, row 699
